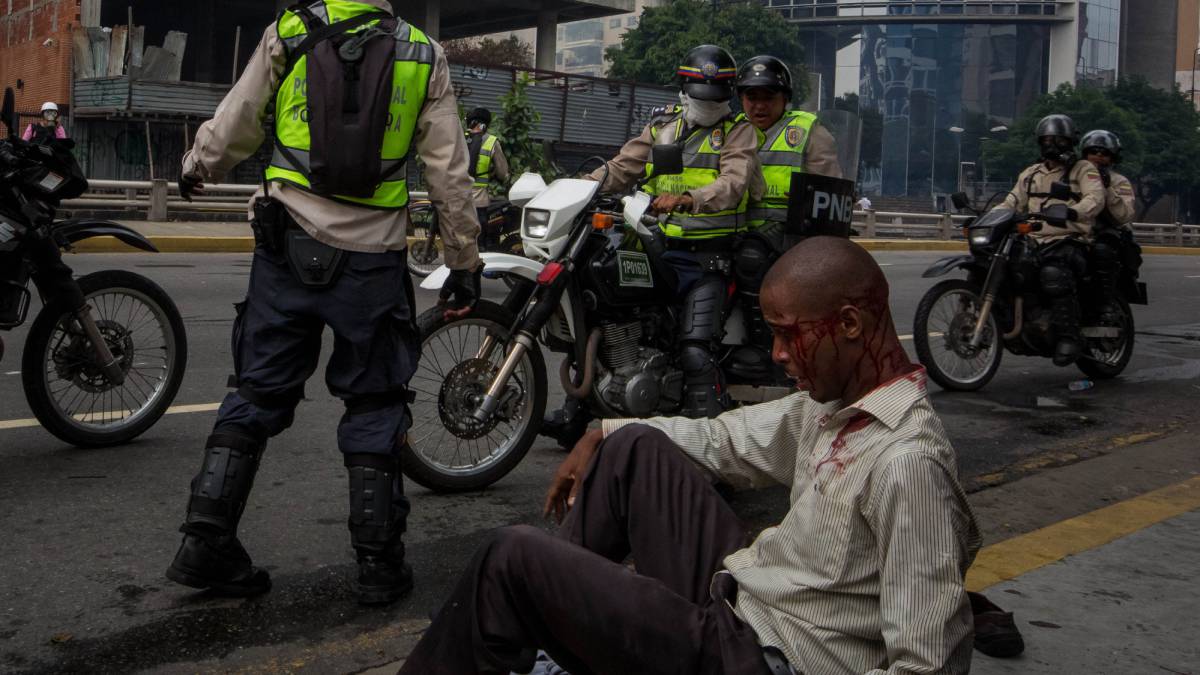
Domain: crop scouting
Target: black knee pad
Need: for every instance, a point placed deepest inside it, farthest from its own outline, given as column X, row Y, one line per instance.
column 750, row 264
column 704, row 310
column 1057, row 281
column 696, row 357
column 1105, row 254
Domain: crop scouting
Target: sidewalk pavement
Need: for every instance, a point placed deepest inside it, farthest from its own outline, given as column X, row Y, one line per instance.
column 235, row 237
column 1097, row 560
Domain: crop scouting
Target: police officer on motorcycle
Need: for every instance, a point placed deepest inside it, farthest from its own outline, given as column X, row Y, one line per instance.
column 789, row 141
column 1061, row 178
column 1112, row 236
column 706, row 206
column 330, row 232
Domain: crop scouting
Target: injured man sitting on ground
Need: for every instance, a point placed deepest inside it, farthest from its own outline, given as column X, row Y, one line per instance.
column 863, row 575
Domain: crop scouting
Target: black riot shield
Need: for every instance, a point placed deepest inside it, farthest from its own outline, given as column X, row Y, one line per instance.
column 819, row 205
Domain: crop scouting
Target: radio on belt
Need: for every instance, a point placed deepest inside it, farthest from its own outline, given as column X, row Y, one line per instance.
column 819, row 205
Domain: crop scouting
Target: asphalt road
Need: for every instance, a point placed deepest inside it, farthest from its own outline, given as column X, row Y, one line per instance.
column 87, row 533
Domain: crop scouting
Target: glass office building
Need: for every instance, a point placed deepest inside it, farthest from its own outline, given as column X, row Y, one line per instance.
column 933, row 81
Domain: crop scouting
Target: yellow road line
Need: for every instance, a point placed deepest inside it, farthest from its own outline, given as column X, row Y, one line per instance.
column 1013, row 557
column 174, row 410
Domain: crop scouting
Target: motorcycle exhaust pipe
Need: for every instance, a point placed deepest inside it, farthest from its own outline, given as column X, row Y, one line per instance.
column 108, row 363
column 1018, row 320
column 589, row 370
column 491, row 400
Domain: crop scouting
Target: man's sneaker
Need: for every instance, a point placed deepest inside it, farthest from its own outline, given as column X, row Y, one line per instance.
column 382, row 581
column 220, row 564
column 996, row 632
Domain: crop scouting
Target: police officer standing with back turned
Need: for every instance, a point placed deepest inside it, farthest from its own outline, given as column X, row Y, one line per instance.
column 707, row 206
column 347, row 81
column 1062, row 248
column 789, row 141
column 487, row 161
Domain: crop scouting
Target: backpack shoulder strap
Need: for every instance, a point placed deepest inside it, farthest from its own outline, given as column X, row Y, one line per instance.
column 319, row 30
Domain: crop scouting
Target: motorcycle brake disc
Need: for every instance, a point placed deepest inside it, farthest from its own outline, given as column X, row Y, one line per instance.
column 462, row 391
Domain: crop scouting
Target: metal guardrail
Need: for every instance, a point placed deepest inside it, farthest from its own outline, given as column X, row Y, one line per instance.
column 159, row 198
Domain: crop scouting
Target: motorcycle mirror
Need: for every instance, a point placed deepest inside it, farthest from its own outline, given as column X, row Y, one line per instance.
column 960, row 200
column 9, row 113
column 1062, row 191
column 667, row 159
column 528, row 186
column 1056, row 214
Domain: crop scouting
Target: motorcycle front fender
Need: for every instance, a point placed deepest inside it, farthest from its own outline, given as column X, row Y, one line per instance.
column 944, row 265
column 78, row 229
column 497, row 264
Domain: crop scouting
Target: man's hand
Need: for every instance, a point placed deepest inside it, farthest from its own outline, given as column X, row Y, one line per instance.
column 565, row 485
column 190, row 185
column 465, row 287
column 669, row 203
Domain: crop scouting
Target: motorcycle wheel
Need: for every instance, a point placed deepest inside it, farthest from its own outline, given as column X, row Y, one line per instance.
column 447, row 450
column 1107, row 358
column 424, row 254
column 65, row 386
column 942, row 332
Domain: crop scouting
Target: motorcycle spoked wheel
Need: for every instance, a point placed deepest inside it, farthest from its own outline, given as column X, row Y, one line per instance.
column 447, row 450
column 425, row 253
column 942, row 331
column 1106, row 358
column 65, row 386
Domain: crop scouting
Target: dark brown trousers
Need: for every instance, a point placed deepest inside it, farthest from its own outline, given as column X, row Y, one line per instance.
column 571, row 595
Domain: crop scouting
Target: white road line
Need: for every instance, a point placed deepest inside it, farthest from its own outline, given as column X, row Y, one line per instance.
column 1197, row 276
column 14, row 372
column 174, row 410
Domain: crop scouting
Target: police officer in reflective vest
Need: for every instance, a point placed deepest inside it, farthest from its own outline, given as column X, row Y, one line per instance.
column 347, row 81
column 487, row 162
column 1062, row 250
column 789, row 141
column 707, row 207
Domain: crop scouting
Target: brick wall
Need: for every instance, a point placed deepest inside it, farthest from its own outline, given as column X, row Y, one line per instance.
column 25, row 26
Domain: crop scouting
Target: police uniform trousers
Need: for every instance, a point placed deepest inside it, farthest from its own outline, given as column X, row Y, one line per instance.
column 572, row 596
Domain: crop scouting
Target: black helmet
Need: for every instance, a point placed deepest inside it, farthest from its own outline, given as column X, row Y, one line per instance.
column 1057, row 138
column 1102, row 140
column 765, row 71
column 482, row 115
column 707, row 73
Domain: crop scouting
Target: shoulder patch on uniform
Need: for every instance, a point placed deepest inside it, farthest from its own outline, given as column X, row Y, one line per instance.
column 717, row 138
column 793, row 135
column 1092, row 175
column 1125, row 189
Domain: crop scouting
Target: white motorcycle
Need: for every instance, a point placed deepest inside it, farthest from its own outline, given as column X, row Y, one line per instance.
column 598, row 291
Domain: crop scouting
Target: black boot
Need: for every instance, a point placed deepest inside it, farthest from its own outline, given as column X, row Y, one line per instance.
column 1064, row 318
column 702, row 399
column 378, row 512
column 211, row 556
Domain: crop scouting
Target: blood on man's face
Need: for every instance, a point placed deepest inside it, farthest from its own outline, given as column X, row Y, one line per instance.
column 806, row 347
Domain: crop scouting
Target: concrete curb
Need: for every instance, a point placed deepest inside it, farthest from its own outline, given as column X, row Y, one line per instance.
column 177, row 244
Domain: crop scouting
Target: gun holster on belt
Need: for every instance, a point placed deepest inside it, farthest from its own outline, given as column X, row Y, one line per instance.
column 313, row 264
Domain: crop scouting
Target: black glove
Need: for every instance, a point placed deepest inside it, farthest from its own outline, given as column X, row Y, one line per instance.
column 465, row 286
column 1072, row 215
column 190, row 185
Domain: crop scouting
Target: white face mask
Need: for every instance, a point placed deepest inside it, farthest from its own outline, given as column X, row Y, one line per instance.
column 703, row 113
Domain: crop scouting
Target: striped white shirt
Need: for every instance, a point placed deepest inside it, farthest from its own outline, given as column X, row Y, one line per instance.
column 865, row 572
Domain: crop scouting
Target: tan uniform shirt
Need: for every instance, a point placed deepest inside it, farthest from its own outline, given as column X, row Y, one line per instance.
column 1037, row 179
column 821, row 155
column 499, row 172
column 1120, row 199
column 865, row 572
column 236, row 131
column 740, row 169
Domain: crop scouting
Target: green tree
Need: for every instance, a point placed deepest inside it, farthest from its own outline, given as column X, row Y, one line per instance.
column 516, row 126
column 510, row 51
column 1090, row 108
column 652, row 51
column 1167, row 156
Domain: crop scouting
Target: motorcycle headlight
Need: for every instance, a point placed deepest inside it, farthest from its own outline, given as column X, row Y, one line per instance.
column 536, row 223
column 981, row 237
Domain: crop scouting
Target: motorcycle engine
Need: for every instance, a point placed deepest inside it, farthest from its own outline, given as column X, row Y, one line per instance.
column 636, row 380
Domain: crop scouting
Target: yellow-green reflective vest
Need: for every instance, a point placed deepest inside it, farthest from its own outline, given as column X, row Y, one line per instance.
column 410, row 81
column 781, row 152
column 483, row 166
column 701, row 166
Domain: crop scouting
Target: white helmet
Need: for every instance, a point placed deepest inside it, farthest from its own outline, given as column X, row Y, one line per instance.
column 49, row 105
